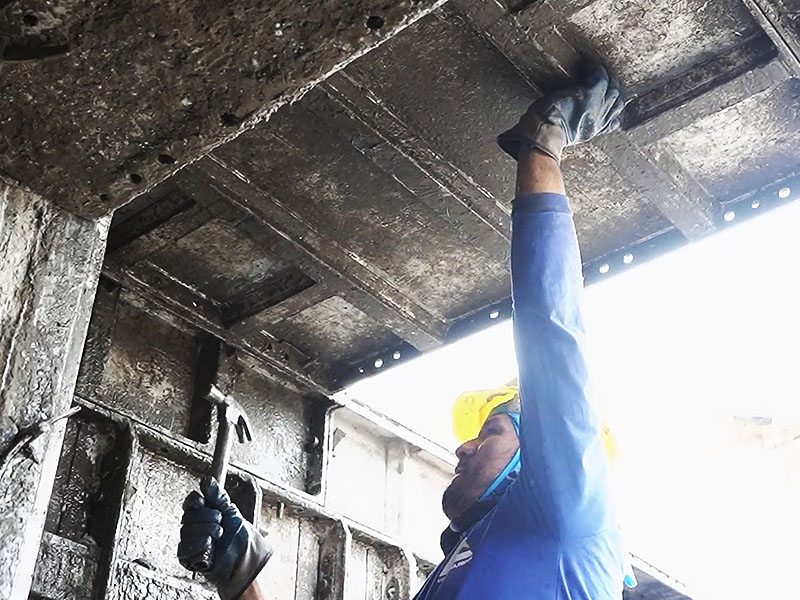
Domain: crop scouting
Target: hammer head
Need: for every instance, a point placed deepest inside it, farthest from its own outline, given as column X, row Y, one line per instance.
column 228, row 411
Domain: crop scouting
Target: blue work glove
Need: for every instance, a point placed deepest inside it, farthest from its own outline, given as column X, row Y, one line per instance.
column 217, row 541
column 567, row 117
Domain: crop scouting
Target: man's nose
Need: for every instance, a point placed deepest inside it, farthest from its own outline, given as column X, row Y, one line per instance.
column 466, row 449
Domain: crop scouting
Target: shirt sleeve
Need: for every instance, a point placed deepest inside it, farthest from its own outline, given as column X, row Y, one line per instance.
column 563, row 477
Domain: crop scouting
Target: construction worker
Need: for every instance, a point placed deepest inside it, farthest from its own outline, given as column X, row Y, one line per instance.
column 528, row 505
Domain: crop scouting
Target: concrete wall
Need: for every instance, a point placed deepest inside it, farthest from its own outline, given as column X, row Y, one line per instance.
column 49, row 264
column 351, row 507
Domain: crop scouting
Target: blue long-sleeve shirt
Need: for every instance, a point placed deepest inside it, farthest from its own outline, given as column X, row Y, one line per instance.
column 552, row 535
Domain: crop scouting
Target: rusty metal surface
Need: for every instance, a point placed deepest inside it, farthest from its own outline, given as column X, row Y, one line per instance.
column 369, row 221
column 102, row 102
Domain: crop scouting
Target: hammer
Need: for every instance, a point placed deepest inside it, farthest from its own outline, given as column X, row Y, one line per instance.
column 229, row 415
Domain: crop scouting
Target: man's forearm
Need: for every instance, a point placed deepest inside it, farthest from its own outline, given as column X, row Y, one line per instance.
column 538, row 173
column 257, row 589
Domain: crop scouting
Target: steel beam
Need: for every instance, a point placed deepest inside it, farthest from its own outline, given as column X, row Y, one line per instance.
column 778, row 27
column 647, row 126
column 323, row 259
column 471, row 208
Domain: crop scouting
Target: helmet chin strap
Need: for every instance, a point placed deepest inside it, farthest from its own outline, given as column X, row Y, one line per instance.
column 512, row 466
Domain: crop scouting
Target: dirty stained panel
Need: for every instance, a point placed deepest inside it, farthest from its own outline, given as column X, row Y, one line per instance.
column 719, row 150
column 370, row 220
column 455, row 90
column 149, row 375
column 284, row 441
column 648, row 41
column 333, row 188
column 606, row 207
column 217, row 261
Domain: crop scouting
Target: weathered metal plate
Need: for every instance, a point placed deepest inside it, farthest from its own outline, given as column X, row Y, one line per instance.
column 369, row 221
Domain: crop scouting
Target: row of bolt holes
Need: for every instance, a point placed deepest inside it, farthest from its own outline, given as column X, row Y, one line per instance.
column 729, row 216
column 379, row 362
column 783, row 194
column 374, row 23
column 627, row 259
column 136, row 179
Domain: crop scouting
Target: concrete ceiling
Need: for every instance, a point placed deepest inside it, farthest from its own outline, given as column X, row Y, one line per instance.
column 369, row 220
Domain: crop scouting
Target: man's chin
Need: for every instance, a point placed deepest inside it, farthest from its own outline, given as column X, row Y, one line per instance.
column 453, row 498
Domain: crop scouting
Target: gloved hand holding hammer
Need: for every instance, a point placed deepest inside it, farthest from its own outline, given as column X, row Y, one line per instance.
column 216, row 539
column 215, row 534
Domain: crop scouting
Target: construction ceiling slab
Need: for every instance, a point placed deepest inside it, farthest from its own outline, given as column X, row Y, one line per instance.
column 607, row 208
column 102, row 101
column 218, row 261
column 370, row 221
column 452, row 88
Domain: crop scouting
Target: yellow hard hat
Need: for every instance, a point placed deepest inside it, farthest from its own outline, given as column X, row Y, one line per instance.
column 471, row 409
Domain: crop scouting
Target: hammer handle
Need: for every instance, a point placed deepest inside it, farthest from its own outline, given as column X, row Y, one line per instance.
column 222, row 452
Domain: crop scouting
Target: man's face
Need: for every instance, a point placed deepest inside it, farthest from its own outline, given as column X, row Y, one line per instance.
column 480, row 461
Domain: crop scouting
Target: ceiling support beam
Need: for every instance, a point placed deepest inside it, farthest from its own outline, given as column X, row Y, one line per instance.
column 777, row 26
column 323, row 259
column 710, row 102
column 156, row 295
column 471, row 208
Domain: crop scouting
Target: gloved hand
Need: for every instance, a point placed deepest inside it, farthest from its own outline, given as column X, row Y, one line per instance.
column 214, row 528
column 567, row 117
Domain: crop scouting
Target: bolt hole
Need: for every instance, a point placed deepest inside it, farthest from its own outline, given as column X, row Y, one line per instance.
column 378, row 363
column 729, row 216
column 375, row 22
column 229, row 119
column 135, row 178
column 783, row 193
column 755, row 204
column 30, row 20
column 104, row 197
column 628, row 258
column 397, row 355
column 604, row 268
column 166, row 159
column 360, row 369
column 494, row 314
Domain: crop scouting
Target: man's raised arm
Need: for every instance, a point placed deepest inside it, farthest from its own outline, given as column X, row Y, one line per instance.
column 563, row 474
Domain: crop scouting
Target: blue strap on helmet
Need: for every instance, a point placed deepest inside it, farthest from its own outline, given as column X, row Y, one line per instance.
column 512, row 466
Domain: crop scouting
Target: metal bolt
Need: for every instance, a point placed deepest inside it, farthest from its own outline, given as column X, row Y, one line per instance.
column 392, row 589
column 323, row 587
